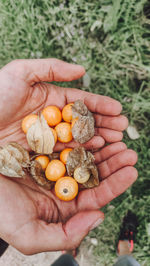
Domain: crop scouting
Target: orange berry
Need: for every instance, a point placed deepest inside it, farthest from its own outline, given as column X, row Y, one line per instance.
column 28, row 121
column 63, row 131
column 64, row 155
column 67, row 112
column 55, row 134
column 66, row 188
column 55, row 170
column 43, row 160
column 52, row 115
column 73, row 122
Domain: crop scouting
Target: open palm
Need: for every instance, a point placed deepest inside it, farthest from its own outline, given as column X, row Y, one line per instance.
column 32, row 219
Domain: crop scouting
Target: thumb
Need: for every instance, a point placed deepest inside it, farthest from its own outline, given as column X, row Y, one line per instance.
column 50, row 69
column 80, row 225
column 52, row 237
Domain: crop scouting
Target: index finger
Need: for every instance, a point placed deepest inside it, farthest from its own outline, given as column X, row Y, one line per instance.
column 95, row 103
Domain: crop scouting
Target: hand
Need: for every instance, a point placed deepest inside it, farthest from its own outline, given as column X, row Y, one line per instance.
column 23, row 91
column 32, row 219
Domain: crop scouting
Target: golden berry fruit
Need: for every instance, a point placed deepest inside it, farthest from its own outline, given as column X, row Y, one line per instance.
column 43, row 160
column 52, row 115
column 64, row 155
column 63, row 131
column 55, row 170
column 81, row 175
column 66, row 188
column 28, row 121
column 67, row 112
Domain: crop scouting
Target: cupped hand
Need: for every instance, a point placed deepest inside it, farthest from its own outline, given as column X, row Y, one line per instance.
column 23, row 90
column 32, row 219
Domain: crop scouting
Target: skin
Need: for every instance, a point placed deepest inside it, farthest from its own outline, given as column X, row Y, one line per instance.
column 33, row 219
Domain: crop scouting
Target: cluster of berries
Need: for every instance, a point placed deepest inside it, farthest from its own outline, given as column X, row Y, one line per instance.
column 61, row 123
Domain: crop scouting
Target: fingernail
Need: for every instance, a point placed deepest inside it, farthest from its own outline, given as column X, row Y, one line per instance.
column 97, row 223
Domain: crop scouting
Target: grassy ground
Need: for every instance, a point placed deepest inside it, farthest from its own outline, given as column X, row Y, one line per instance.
column 111, row 38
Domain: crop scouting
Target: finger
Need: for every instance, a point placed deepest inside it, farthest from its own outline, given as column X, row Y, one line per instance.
column 119, row 123
column 109, row 189
column 109, row 151
column 36, row 70
column 109, row 135
column 116, row 162
column 95, row 143
column 96, row 103
column 52, row 237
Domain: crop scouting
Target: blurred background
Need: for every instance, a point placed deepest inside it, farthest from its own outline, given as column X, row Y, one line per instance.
column 111, row 39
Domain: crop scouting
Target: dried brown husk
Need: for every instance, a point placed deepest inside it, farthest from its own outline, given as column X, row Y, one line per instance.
column 54, row 156
column 14, row 160
column 38, row 175
column 83, row 129
column 40, row 137
column 79, row 157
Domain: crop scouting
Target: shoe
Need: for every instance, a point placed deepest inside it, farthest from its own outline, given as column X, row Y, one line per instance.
column 3, row 246
column 128, row 229
column 65, row 260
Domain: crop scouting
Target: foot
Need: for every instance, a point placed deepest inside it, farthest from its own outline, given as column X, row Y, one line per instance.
column 127, row 234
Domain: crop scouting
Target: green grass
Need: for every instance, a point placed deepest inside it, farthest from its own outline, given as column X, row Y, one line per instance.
column 111, row 38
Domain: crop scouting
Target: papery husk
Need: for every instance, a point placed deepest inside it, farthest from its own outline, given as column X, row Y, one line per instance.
column 13, row 160
column 54, row 156
column 83, row 129
column 79, row 108
column 38, row 175
column 79, row 157
column 94, row 179
column 40, row 137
